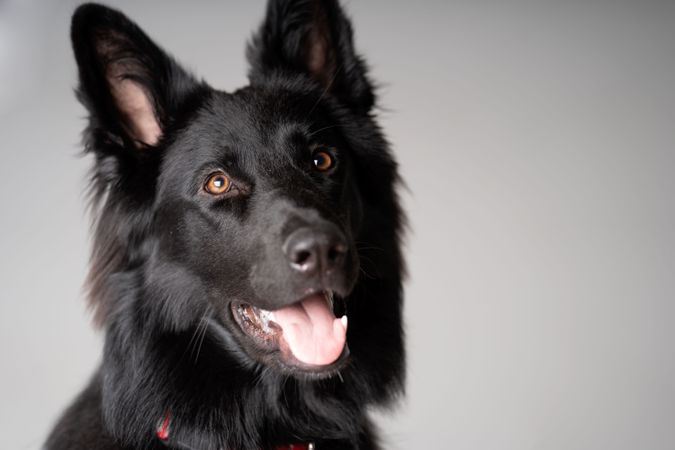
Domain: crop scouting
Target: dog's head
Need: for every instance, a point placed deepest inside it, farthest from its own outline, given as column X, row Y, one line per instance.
column 256, row 213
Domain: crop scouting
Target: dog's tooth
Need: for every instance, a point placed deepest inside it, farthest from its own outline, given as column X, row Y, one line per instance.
column 343, row 319
column 265, row 317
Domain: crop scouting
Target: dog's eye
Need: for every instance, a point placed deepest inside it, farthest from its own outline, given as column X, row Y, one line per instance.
column 217, row 184
column 322, row 160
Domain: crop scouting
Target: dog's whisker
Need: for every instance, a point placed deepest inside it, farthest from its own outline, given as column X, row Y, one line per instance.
column 359, row 247
column 366, row 274
column 328, row 127
column 370, row 262
column 204, row 323
column 200, row 332
column 189, row 347
column 194, row 336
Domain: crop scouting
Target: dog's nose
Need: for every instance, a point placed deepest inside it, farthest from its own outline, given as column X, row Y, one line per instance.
column 310, row 251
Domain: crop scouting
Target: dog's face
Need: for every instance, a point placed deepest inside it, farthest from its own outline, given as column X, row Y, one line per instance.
column 241, row 212
column 257, row 200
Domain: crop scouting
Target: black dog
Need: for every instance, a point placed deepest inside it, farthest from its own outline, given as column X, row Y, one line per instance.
column 234, row 235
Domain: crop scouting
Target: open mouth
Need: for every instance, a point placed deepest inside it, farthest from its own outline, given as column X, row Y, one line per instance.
column 306, row 334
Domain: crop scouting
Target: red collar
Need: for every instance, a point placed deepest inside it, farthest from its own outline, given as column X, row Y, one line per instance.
column 164, row 427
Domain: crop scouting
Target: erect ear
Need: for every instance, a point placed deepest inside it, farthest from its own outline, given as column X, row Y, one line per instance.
column 130, row 86
column 314, row 38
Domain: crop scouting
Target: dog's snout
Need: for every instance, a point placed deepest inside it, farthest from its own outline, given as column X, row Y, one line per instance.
column 310, row 251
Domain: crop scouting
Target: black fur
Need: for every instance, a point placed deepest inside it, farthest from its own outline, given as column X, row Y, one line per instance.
column 168, row 259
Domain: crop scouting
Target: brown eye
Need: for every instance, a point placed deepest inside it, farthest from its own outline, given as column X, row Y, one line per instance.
column 323, row 161
column 217, row 183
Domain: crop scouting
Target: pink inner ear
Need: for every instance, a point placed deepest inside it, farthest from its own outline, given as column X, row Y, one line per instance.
column 134, row 104
column 316, row 57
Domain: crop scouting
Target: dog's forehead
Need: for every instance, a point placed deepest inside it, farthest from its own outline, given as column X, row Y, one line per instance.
column 251, row 125
column 251, row 121
column 259, row 117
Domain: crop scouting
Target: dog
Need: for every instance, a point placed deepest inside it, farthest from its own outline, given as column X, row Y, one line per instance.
column 246, row 264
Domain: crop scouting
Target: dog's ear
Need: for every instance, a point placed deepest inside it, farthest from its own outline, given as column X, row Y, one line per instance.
column 134, row 93
column 314, row 38
column 130, row 86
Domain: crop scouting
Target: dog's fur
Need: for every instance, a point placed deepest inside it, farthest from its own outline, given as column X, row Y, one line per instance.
column 169, row 258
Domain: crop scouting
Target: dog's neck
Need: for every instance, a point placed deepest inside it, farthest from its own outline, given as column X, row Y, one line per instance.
column 207, row 390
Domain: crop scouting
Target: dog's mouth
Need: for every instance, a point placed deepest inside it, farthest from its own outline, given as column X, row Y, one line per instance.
column 306, row 334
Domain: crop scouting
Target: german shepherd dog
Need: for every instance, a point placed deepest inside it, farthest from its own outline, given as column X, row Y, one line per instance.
column 246, row 265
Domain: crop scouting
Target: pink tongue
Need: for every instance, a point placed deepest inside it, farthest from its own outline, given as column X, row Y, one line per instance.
column 312, row 332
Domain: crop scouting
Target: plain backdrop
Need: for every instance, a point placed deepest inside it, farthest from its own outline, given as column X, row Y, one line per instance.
column 537, row 141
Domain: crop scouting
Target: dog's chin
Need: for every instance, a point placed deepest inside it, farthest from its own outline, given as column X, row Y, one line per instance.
column 306, row 339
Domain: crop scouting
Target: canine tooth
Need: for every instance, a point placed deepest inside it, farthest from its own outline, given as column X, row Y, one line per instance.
column 343, row 319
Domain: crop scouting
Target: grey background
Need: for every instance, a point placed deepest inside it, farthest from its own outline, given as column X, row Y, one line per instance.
column 538, row 143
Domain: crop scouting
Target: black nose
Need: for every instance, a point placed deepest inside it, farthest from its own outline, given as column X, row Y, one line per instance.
column 310, row 251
